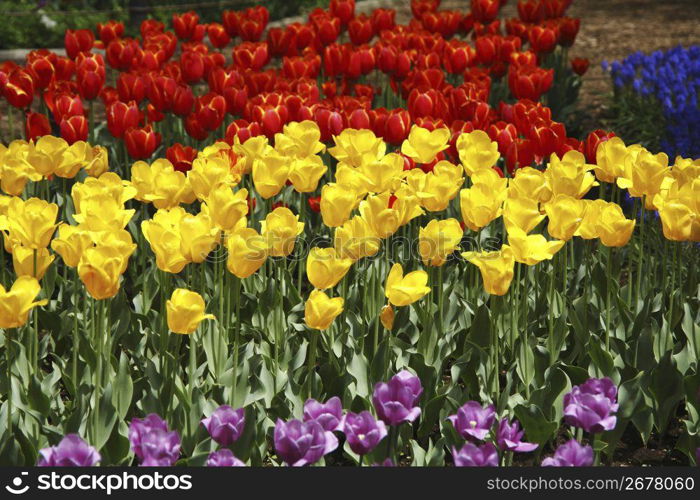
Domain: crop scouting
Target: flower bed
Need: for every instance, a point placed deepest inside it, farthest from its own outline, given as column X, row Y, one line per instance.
column 355, row 242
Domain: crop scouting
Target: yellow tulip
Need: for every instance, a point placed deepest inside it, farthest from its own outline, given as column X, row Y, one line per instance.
column 73, row 159
column 336, row 204
column 570, row 175
column 437, row 240
column 30, row 223
column 357, row 147
column 185, row 311
column 199, row 236
column 531, row 249
column 644, row 173
column 523, row 213
column 208, row 173
column 351, row 180
column 320, row 310
column 226, row 208
column 96, row 161
column 247, row 252
column 25, row 264
column 613, row 229
column 588, row 228
column 529, row 183
column 325, row 268
column 99, row 269
column 101, row 212
column 281, row 228
column 161, row 184
column 387, row 316
column 476, row 151
column 436, row 189
column 304, row 173
column 249, row 151
column 16, row 303
column 15, row 169
column 355, row 239
column 270, row 173
column 120, row 241
column 299, row 139
column 496, row 268
column 685, row 170
column 109, row 183
column 423, row 145
column 384, row 175
column 483, row 202
column 610, row 159
column 405, row 290
column 46, row 154
column 677, row 220
column 565, row 216
column 72, row 241
column 382, row 219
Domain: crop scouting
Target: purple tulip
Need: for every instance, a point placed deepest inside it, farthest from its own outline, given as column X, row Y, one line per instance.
column 363, row 432
column 142, row 426
column 472, row 421
column 570, row 454
column 329, row 415
column 509, row 437
column 160, row 448
column 386, row 463
column 471, row 455
column 223, row 458
column 72, row 451
column 395, row 401
column 225, row 425
column 591, row 405
column 301, row 443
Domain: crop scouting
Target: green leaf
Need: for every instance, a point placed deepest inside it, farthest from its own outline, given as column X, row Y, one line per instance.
column 537, row 427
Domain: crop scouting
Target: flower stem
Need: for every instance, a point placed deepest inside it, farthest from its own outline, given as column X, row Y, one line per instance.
column 640, row 257
column 312, row 362
column 8, row 362
column 607, row 301
column 236, row 337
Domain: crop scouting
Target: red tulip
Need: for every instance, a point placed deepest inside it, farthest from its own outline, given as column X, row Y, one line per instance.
column 185, row 24
column 329, row 121
column 90, row 75
column 42, row 70
column 531, row 11
column 65, row 105
column 529, row 82
column 543, row 40
column 383, row 19
column 78, row 42
column 249, row 55
column 344, row 10
column 191, row 66
column 19, row 88
column 485, row 11
column 160, row 91
column 579, row 65
column 568, row 29
column 122, row 116
column 151, row 26
column 131, row 87
column 361, row 29
column 74, row 128
column 141, row 142
column 458, row 56
column 252, row 23
column 210, row 110
column 315, row 203
column 36, row 125
column 327, row 28
column 183, row 100
column 430, row 103
column 217, row 35
column 111, row 30
column 243, row 130
column 397, row 126
column 194, row 128
column 419, row 7
column 181, row 156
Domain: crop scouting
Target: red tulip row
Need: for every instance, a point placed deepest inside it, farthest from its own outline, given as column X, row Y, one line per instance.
column 306, row 71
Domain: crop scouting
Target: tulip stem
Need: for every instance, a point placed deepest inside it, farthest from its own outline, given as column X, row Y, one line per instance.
column 640, row 258
column 440, row 301
column 35, row 339
column 2, row 259
column 236, row 338
column 312, row 362
column 76, row 348
column 607, row 301
column 8, row 362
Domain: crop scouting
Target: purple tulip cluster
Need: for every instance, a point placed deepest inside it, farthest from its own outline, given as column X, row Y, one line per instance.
column 570, row 454
column 591, row 405
column 225, row 425
column 304, row 442
column 476, row 423
column 153, row 443
column 72, row 451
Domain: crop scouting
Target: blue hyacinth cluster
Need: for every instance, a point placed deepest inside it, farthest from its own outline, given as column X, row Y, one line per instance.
column 673, row 78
